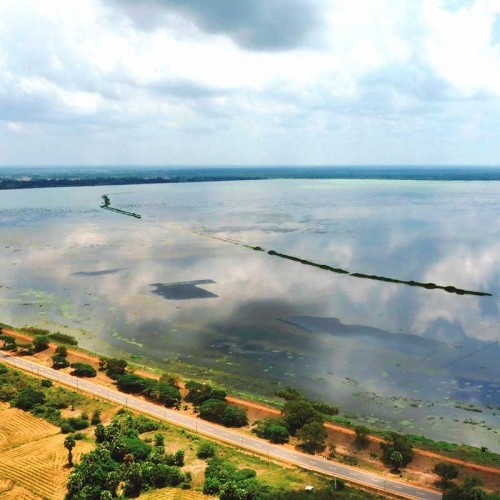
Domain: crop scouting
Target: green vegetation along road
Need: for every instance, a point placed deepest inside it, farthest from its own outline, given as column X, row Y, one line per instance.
column 223, row 434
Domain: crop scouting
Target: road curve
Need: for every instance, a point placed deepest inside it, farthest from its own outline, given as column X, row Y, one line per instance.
column 256, row 445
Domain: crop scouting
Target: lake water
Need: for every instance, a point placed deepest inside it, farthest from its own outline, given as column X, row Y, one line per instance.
column 178, row 287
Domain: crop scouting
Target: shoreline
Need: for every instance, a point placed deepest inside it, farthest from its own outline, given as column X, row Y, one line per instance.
column 253, row 406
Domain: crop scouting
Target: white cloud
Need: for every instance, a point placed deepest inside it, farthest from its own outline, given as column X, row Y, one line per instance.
column 369, row 70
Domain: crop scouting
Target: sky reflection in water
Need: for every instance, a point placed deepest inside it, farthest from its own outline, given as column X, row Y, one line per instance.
column 363, row 344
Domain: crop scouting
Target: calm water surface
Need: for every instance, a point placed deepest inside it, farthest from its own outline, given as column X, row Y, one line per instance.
column 168, row 288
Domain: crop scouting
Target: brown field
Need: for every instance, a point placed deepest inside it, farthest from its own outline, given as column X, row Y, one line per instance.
column 32, row 457
column 173, row 494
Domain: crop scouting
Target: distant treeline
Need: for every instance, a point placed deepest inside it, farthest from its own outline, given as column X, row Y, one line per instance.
column 113, row 181
column 26, row 177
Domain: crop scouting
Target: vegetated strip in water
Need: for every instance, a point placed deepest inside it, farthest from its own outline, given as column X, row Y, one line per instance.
column 106, row 206
column 325, row 267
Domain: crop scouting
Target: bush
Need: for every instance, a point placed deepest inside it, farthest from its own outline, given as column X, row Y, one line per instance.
column 115, row 367
column 143, row 424
column 72, row 424
column 399, row 443
column 83, row 370
column 213, row 410
column 234, row 416
column 297, row 413
column 63, row 338
column 96, row 417
column 46, row 383
column 62, row 351
column 8, row 393
column 131, row 383
column 169, row 395
column 272, row 429
column 206, row 450
column 29, row 398
column 40, row 343
column 59, row 362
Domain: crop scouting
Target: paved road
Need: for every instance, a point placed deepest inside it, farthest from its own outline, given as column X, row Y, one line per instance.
column 211, row 430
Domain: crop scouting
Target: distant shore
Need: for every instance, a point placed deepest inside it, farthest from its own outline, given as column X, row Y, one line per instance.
column 49, row 177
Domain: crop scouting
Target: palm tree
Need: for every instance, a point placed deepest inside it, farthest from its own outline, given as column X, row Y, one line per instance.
column 69, row 444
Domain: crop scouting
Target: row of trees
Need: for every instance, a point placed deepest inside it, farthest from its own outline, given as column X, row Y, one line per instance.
column 9, row 343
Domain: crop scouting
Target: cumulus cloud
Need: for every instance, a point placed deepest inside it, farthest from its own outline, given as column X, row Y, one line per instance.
column 294, row 81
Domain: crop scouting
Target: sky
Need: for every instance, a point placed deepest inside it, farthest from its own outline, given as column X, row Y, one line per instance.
column 249, row 82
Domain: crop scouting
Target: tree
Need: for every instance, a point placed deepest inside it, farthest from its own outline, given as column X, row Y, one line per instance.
column 96, row 417
column 112, row 481
column 69, row 444
column 103, row 363
column 29, row 398
column 9, row 343
column 83, row 370
column 234, row 416
column 62, row 351
column 400, row 443
column 198, row 393
column 25, row 349
column 312, row 437
column 212, row 410
column 131, row 383
column 40, row 343
column 361, row 439
column 169, row 395
column 396, row 460
column 447, row 472
column 179, row 458
column 100, row 433
column 206, row 450
column 272, row 429
column 133, row 480
column 297, row 413
column 171, row 379
column 115, row 367
column 59, row 362
column 470, row 490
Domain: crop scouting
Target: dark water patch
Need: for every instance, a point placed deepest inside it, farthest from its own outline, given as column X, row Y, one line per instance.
column 183, row 290
column 104, row 272
column 333, row 326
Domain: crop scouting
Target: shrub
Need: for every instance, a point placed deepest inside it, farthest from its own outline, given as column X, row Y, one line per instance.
column 72, row 424
column 212, row 410
column 46, row 383
column 234, row 416
column 62, row 351
column 63, row 338
column 131, row 383
column 40, row 343
column 96, row 417
column 206, row 450
column 59, row 362
column 83, row 370
column 272, row 429
column 29, row 398
column 115, row 367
